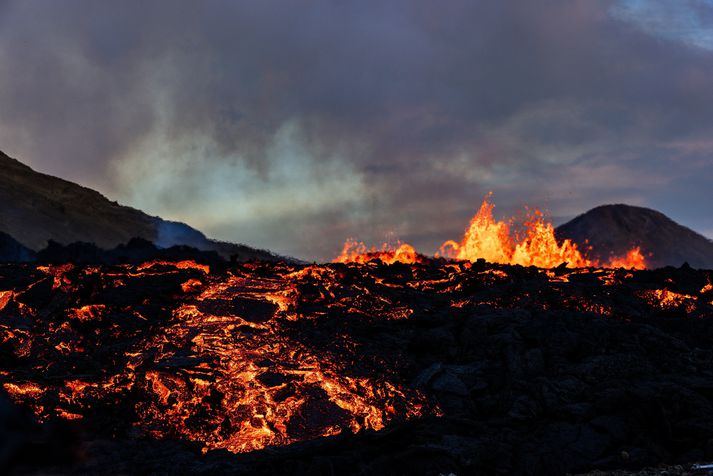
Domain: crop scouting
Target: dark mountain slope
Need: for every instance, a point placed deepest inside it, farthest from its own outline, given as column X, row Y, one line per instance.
column 36, row 208
column 613, row 229
column 12, row 251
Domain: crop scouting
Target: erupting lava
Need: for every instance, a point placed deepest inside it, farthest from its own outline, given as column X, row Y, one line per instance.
column 356, row 252
column 633, row 259
column 496, row 242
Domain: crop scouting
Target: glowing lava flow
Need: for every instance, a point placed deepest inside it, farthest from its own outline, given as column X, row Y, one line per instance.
column 266, row 387
column 496, row 242
column 227, row 360
column 265, row 354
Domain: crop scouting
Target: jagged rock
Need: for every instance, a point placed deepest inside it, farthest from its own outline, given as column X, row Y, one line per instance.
column 532, row 374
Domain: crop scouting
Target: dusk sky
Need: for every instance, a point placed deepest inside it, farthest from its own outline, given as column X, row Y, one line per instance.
column 292, row 125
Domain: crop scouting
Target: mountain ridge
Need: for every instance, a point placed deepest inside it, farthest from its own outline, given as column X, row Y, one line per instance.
column 36, row 208
column 615, row 228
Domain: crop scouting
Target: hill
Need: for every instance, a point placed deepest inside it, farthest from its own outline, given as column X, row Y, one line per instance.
column 613, row 229
column 36, row 208
column 12, row 251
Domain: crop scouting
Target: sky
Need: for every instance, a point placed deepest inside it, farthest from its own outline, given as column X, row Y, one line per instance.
column 292, row 125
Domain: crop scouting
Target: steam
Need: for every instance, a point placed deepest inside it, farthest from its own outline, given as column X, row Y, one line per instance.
column 291, row 126
column 191, row 180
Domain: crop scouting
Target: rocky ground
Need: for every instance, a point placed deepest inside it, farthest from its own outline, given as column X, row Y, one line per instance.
column 435, row 368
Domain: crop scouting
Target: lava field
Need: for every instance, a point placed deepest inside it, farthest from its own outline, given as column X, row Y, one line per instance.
column 434, row 367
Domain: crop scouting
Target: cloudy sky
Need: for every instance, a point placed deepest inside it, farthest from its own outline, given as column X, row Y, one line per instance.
column 295, row 124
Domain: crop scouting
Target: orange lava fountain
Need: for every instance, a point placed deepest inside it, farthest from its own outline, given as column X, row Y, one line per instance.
column 357, row 252
column 496, row 242
column 633, row 259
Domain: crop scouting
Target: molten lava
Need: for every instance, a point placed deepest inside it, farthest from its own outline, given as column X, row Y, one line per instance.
column 357, row 252
column 496, row 242
column 215, row 359
column 269, row 354
column 633, row 259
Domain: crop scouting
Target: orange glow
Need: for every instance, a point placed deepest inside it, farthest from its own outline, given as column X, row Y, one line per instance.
column 666, row 299
column 495, row 241
column 633, row 259
column 25, row 388
column 191, row 285
column 5, row 297
column 188, row 264
column 87, row 313
column 227, row 364
column 68, row 415
column 357, row 252
column 258, row 405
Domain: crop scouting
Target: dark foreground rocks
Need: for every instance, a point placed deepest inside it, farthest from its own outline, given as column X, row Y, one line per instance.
column 471, row 368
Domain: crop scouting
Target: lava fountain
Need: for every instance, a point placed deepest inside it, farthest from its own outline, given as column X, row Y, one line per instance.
column 498, row 241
